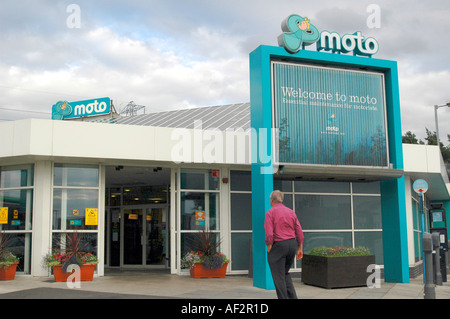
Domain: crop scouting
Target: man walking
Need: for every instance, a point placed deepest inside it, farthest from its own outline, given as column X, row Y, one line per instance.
column 284, row 240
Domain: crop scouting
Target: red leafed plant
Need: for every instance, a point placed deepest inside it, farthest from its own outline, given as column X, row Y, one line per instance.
column 70, row 251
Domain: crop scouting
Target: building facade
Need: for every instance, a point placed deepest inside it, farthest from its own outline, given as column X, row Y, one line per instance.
column 53, row 171
column 133, row 186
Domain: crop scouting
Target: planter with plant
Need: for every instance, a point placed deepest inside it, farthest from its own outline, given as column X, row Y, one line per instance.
column 204, row 261
column 8, row 261
column 60, row 259
column 336, row 267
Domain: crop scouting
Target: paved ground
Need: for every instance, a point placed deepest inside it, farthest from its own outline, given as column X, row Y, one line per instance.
column 185, row 297
column 142, row 285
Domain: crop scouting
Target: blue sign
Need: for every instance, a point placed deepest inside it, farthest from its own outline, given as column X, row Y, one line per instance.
column 63, row 110
column 75, row 222
column 330, row 116
column 420, row 186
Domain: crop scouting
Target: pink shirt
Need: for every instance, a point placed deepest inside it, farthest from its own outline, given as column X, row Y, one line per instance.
column 281, row 223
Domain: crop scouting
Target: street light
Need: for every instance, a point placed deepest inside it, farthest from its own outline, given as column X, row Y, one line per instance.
column 436, row 119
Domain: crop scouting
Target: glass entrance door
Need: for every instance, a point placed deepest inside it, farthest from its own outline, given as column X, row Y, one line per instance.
column 144, row 236
column 155, row 239
column 132, row 236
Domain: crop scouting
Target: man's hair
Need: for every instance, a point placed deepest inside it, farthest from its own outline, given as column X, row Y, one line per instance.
column 277, row 196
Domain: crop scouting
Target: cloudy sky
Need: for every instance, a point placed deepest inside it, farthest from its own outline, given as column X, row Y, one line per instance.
column 173, row 54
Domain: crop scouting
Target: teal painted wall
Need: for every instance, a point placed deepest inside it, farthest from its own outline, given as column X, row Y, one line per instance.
column 261, row 182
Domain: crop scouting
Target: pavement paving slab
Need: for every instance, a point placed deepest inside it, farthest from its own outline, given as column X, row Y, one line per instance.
column 147, row 285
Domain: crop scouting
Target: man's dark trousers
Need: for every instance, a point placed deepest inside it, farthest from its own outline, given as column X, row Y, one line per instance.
column 280, row 258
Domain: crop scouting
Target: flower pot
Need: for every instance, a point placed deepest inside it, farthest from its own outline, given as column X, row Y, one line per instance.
column 86, row 273
column 8, row 273
column 199, row 271
column 336, row 272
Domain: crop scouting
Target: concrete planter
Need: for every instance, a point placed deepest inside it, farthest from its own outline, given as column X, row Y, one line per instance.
column 336, row 272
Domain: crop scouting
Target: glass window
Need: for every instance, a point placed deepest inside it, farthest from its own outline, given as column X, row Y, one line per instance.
column 69, row 208
column 328, row 239
column 75, row 175
column 240, row 250
column 282, row 185
column 188, row 242
column 241, row 180
column 417, row 246
column 321, row 187
column 88, row 242
column 288, row 201
column 200, row 179
column 366, row 188
column 415, row 215
column 323, row 211
column 199, row 210
column 18, row 205
column 16, row 210
column 115, row 195
column 372, row 240
column 142, row 195
column 367, row 212
column 16, row 176
column 241, row 211
column 20, row 245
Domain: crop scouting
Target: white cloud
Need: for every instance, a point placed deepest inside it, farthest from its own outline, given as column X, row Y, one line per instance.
column 419, row 92
column 126, row 69
column 174, row 54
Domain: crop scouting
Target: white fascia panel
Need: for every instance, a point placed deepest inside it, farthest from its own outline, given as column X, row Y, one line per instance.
column 99, row 140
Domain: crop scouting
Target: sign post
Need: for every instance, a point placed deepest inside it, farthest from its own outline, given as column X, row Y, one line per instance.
column 420, row 186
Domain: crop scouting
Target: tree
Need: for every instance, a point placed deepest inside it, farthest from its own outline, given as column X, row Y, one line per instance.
column 410, row 138
column 431, row 137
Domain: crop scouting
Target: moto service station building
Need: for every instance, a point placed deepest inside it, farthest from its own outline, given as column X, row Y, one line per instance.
column 322, row 126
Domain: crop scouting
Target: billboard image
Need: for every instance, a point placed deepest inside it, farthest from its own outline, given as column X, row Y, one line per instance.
column 328, row 116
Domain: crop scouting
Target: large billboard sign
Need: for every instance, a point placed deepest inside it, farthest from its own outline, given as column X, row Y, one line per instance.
column 329, row 116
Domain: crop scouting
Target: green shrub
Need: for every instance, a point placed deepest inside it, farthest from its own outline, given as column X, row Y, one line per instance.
column 339, row 251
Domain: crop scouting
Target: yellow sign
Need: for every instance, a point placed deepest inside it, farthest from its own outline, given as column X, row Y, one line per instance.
column 3, row 215
column 91, row 217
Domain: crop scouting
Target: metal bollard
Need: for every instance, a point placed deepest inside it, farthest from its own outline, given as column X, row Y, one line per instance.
column 427, row 246
column 437, row 258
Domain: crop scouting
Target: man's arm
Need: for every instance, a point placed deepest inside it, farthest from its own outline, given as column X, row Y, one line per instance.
column 300, row 252
column 268, row 228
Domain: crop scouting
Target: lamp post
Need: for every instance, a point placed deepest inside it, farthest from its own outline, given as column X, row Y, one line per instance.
column 436, row 119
